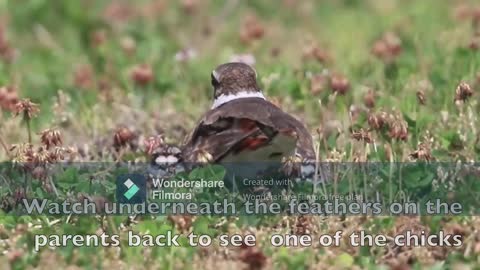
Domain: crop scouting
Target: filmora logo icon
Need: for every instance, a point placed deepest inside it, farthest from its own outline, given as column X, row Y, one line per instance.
column 131, row 188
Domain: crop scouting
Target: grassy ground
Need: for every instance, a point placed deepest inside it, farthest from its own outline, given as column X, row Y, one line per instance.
column 108, row 74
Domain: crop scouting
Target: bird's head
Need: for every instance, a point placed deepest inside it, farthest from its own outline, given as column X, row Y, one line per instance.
column 232, row 81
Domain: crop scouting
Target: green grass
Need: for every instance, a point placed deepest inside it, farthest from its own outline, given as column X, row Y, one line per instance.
column 52, row 39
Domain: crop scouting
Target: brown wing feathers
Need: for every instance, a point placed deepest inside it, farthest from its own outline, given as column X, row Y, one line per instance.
column 238, row 135
column 245, row 124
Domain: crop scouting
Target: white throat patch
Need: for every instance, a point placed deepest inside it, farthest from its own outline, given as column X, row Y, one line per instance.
column 222, row 99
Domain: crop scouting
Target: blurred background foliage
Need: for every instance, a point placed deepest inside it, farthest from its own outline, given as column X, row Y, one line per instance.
column 382, row 80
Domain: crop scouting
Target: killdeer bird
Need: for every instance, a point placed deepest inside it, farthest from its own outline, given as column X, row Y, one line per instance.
column 243, row 126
